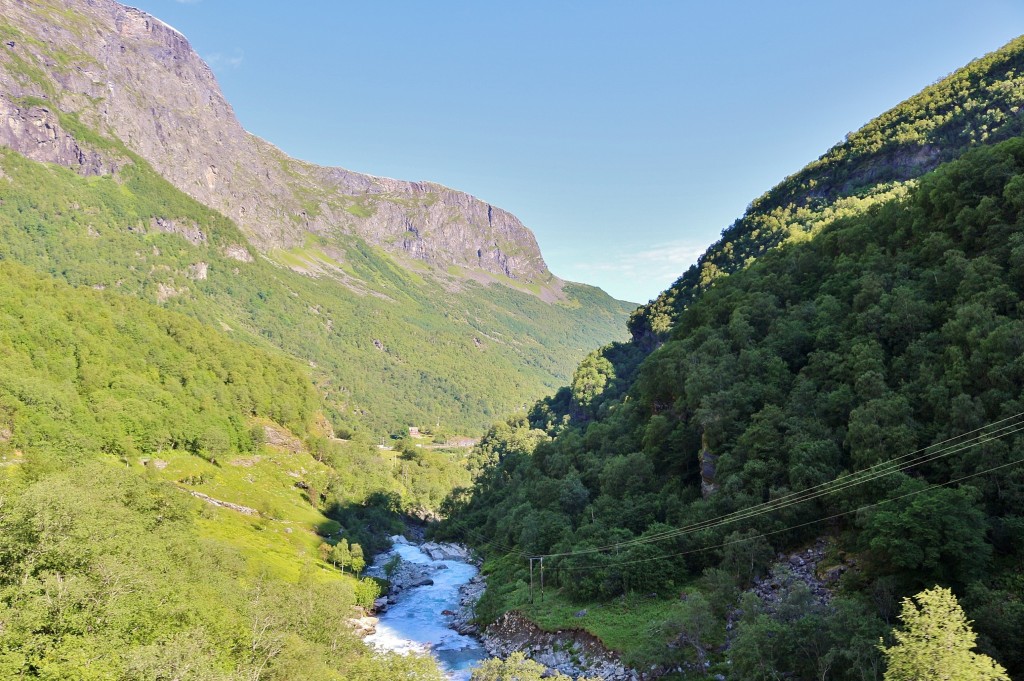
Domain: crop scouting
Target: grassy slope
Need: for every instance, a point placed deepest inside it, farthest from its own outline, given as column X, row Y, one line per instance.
column 462, row 358
column 111, row 410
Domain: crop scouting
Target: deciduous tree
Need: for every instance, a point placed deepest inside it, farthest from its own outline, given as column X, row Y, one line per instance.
column 936, row 642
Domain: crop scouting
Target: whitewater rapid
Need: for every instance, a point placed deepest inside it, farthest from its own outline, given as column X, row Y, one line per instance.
column 415, row 622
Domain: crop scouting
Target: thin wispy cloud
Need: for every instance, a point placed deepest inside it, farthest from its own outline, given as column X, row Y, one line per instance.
column 640, row 274
column 218, row 61
column 667, row 259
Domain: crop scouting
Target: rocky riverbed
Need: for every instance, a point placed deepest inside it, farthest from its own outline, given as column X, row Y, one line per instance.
column 429, row 608
column 435, row 587
column 419, row 612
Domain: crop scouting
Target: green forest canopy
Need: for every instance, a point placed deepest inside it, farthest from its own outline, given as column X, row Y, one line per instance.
column 888, row 332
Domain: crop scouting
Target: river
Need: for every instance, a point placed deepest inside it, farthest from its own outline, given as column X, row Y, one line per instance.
column 415, row 622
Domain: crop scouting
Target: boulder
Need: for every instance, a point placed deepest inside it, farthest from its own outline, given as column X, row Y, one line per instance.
column 438, row 551
column 364, row 626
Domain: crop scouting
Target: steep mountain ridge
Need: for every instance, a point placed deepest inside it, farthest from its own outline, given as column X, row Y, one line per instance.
column 127, row 74
column 980, row 103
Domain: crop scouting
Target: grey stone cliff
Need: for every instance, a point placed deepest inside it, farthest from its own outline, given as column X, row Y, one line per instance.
column 129, row 75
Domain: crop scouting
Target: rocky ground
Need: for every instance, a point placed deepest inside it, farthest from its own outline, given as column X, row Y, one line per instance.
column 804, row 567
column 469, row 594
column 800, row 567
column 575, row 653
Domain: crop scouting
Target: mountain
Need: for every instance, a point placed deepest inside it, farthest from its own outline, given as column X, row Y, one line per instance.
column 138, row 80
column 976, row 105
column 414, row 303
column 201, row 343
column 820, row 419
column 190, row 404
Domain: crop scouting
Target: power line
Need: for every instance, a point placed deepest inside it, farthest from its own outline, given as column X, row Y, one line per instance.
column 796, row 498
column 809, row 493
column 981, row 435
column 794, row 527
column 747, row 514
column 849, row 480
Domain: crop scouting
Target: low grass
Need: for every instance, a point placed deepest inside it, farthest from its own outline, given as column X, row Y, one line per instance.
column 290, row 258
column 625, row 625
column 361, row 207
column 282, row 539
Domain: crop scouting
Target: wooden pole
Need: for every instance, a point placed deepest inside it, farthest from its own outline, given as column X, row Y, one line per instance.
column 531, row 581
column 542, row 579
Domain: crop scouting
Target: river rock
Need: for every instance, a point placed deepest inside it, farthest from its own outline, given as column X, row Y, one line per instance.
column 407, row 575
column 438, row 551
column 364, row 626
column 469, row 594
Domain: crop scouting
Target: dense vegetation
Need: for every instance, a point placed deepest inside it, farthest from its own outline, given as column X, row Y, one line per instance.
column 890, row 331
column 190, row 476
column 936, row 641
column 111, row 411
column 978, row 104
column 397, row 350
column 174, row 502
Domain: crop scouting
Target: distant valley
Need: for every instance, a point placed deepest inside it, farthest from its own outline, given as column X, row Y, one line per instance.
column 445, row 300
column 227, row 376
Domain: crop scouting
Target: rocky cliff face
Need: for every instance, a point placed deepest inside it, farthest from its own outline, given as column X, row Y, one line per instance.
column 36, row 133
column 128, row 75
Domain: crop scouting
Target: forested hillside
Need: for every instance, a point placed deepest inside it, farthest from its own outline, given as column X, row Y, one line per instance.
column 413, row 303
column 114, row 416
column 978, row 104
column 863, row 386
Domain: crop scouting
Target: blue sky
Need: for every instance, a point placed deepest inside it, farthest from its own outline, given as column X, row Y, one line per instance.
column 627, row 135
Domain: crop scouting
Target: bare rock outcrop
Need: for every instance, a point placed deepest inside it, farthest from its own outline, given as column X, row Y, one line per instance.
column 276, row 436
column 573, row 652
column 446, row 551
column 35, row 131
column 244, row 510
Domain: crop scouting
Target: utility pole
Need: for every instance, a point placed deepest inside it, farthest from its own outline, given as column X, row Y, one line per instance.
column 542, row 579
column 531, row 581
